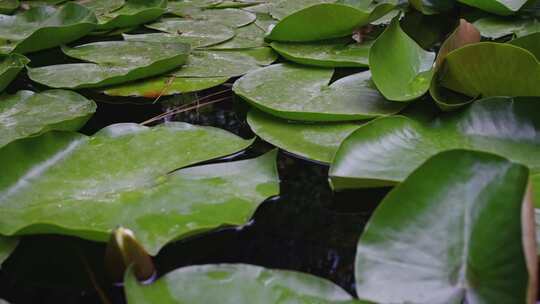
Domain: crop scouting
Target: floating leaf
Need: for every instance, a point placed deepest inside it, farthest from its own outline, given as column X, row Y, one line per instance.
column 235, row 284
column 8, row 6
column 491, row 69
column 499, row 7
column 29, row 114
column 385, row 151
column 44, row 27
column 132, row 13
column 401, row 69
column 102, row 8
column 114, row 62
column 497, row 27
column 10, row 66
column 305, row 93
column 86, row 186
column 7, row 245
column 329, row 53
column 246, row 37
column 230, row 17
column 196, row 33
column 436, row 243
column 431, row 7
column 325, row 21
column 314, row 141
column 163, row 86
column 284, row 8
column 529, row 42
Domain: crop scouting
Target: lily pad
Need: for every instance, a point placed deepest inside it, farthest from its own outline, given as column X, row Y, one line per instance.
column 329, row 53
column 163, row 86
column 491, row 69
column 8, row 6
column 246, row 37
column 102, row 8
column 7, row 245
column 235, row 284
column 10, row 66
column 132, row 13
column 305, row 93
column 224, row 63
column 29, row 114
column 44, row 27
column 72, row 184
column 114, row 62
column 230, row 17
column 497, row 27
column 196, row 33
column 325, row 21
column 314, row 141
column 436, row 244
column 529, row 42
column 283, row 8
column 432, row 7
column 385, row 151
column 499, row 7
column 402, row 70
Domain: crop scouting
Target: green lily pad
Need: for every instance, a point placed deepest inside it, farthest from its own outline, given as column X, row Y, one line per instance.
column 44, row 27
column 8, row 6
column 114, row 62
column 283, row 8
column 385, row 151
column 432, row 7
column 491, row 69
column 164, row 86
column 305, row 93
column 402, row 70
column 497, row 27
column 246, row 37
column 7, row 245
column 72, row 184
column 29, row 114
column 132, row 13
column 329, row 53
column 325, row 21
column 436, row 243
column 102, row 8
column 499, row 7
column 10, row 66
column 196, row 33
column 529, row 42
column 225, row 63
column 235, row 284
column 230, row 17
column 314, row 141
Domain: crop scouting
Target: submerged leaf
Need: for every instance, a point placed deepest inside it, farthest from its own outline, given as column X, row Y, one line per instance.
column 29, row 114
column 305, row 93
column 385, row 151
column 436, row 244
column 10, row 66
column 72, row 184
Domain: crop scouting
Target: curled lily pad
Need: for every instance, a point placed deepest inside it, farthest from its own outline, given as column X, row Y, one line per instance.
column 436, row 244
column 401, row 69
column 132, row 13
column 230, row 17
column 305, row 93
column 329, row 53
column 314, row 141
column 385, row 151
column 499, row 7
column 72, row 184
column 10, row 66
column 29, row 114
column 325, row 21
column 44, row 27
column 225, row 63
column 497, row 27
column 114, row 62
column 491, row 69
column 235, row 284
column 163, row 86
column 8, row 6
column 195, row 32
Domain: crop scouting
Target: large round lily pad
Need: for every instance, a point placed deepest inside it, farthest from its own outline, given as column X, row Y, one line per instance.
column 314, row 141
column 114, row 62
column 499, row 7
column 44, row 27
column 10, row 66
column 246, row 37
column 235, row 284
column 402, row 70
column 28, row 114
column 197, row 33
column 229, row 16
column 68, row 183
column 280, row 9
column 442, row 243
column 387, row 150
column 132, row 13
column 305, row 93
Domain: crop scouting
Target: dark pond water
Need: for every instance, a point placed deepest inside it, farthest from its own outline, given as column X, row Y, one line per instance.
column 307, row 228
